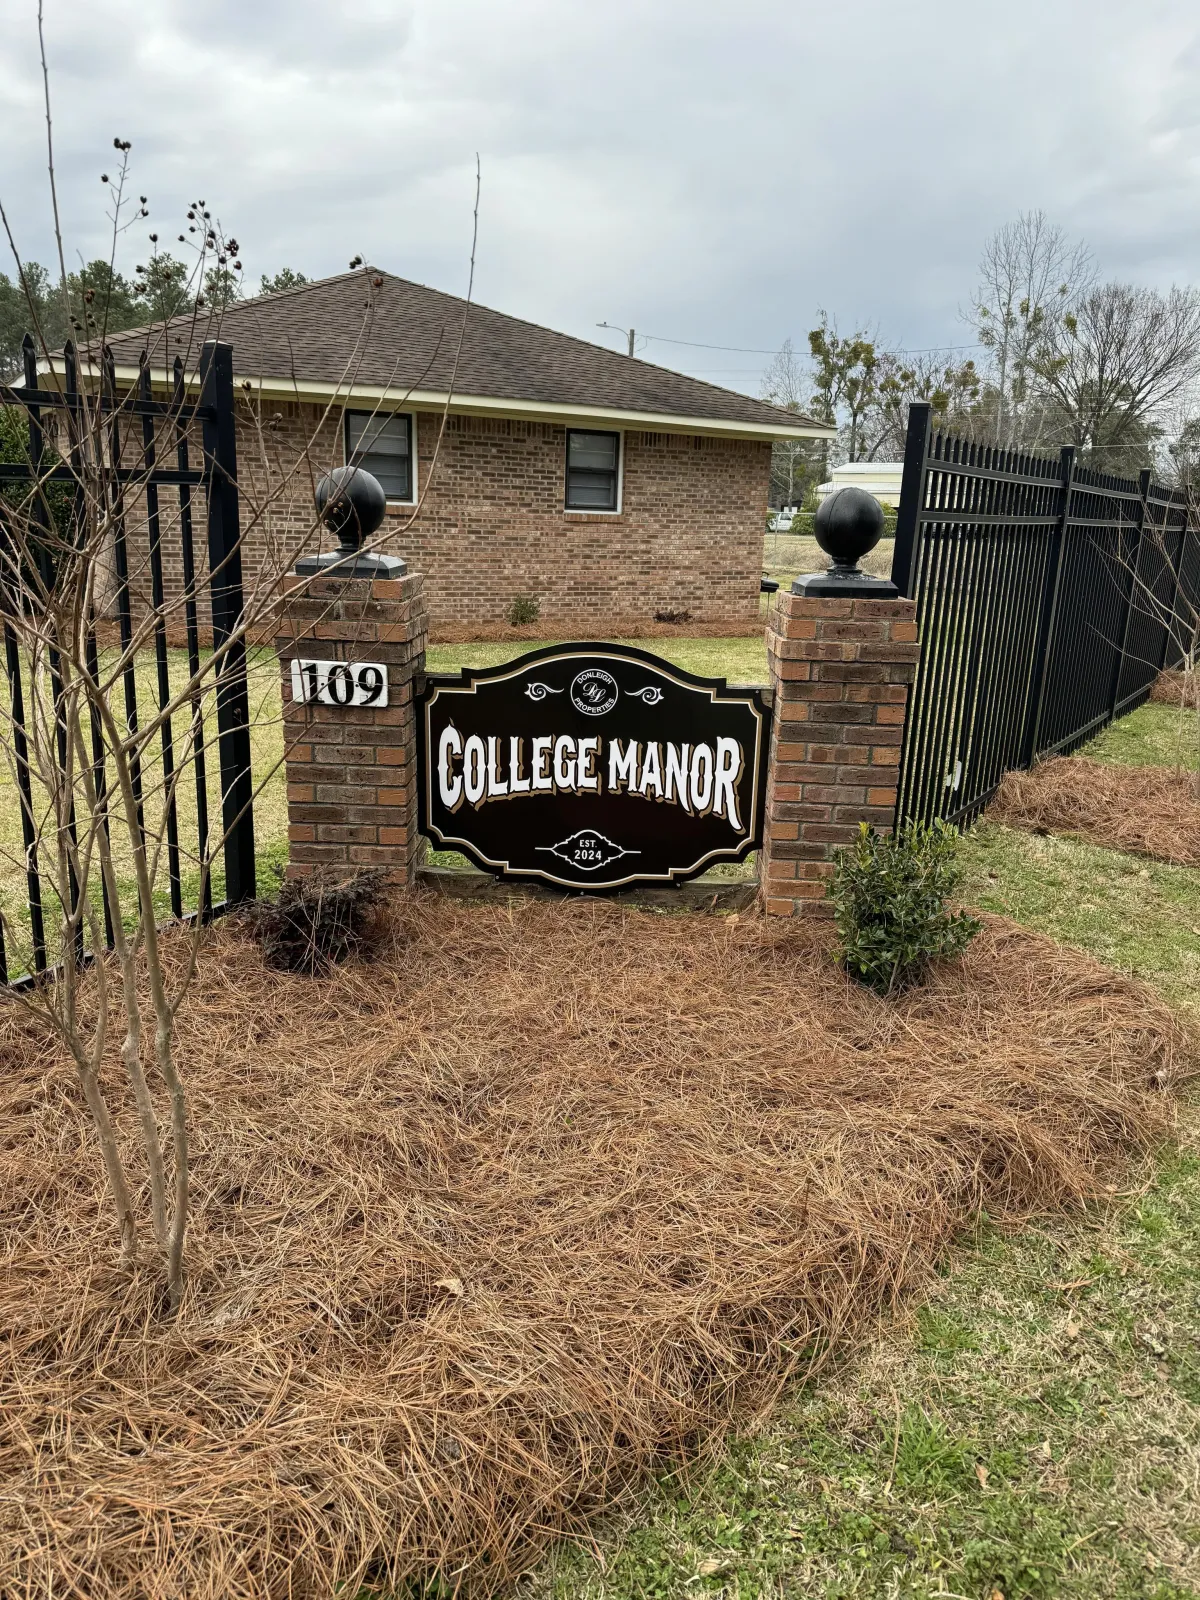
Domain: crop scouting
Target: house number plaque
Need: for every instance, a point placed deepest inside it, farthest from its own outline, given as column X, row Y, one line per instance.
column 340, row 683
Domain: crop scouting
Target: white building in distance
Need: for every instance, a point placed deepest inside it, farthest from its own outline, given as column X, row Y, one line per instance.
column 880, row 478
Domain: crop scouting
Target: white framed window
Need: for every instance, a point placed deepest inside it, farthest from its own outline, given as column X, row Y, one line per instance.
column 593, row 470
column 381, row 442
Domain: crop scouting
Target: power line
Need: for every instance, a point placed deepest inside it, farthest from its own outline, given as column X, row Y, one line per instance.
column 938, row 349
column 753, row 350
column 693, row 344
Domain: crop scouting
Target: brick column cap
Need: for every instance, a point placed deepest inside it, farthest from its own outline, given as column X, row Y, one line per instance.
column 834, row 606
column 295, row 587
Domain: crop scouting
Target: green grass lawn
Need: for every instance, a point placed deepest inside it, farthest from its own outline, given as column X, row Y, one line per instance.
column 270, row 809
column 1140, row 916
column 1032, row 1428
column 1153, row 735
column 785, row 556
column 736, row 660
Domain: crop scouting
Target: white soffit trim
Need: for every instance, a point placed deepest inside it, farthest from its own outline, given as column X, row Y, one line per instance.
column 396, row 399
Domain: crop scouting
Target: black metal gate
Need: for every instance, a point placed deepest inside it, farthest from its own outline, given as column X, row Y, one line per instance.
column 220, row 571
column 1049, row 597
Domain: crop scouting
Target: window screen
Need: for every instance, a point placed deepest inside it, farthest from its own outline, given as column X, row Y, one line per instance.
column 382, row 443
column 593, row 462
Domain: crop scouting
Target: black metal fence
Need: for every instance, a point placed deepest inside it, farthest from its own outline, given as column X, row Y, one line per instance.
column 131, row 469
column 1049, row 598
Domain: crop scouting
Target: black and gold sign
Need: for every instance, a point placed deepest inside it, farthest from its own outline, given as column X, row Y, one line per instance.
column 592, row 766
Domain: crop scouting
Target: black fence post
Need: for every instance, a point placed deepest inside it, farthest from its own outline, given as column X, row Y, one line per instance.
column 912, row 494
column 1176, row 568
column 187, row 551
column 1131, row 593
column 1044, row 642
column 158, row 601
column 77, row 429
column 48, row 556
column 225, row 582
column 111, row 404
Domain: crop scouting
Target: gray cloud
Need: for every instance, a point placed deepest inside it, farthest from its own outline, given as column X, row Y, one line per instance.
column 705, row 171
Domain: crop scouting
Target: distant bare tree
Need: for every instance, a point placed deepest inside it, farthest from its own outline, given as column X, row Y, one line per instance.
column 1029, row 276
column 795, row 463
column 1113, row 364
column 785, row 381
column 1183, row 452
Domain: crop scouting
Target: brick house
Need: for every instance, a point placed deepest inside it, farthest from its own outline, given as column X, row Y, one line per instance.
column 608, row 490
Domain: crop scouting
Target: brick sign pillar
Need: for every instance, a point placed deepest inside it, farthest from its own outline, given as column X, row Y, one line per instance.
column 842, row 650
column 352, row 770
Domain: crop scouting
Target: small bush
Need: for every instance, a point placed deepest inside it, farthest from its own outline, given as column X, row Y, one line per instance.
column 320, row 921
column 672, row 616
column 889, row 893
column 524, row 610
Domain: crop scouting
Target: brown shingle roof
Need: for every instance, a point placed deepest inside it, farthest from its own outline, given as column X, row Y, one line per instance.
column 404, row 336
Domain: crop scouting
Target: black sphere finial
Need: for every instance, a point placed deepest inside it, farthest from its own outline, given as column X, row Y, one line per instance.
column 352, row 504
column 847, row 525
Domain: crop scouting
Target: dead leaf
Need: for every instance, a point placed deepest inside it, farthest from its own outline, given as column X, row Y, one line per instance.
column 1155, row 1346
column 710, row 1567
column 996, row 1594
column 981, row 1472
column 1072, row 1330
column 1045, row 1450
column 452, row 1286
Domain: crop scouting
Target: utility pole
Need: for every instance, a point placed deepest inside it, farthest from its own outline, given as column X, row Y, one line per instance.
column 630, row 332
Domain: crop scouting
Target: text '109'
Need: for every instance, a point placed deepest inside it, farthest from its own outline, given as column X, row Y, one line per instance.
column 340, row 683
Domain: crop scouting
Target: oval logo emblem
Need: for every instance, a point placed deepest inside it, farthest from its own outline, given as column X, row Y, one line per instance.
column 594, row 692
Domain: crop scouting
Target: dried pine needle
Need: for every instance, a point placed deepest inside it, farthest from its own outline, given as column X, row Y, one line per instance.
column 1150, row 811
column 486, row 1229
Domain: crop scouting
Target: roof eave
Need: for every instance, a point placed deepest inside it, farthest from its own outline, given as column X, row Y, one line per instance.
column 393, row 398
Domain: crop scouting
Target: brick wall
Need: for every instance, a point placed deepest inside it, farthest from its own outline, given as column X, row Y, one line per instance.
column 841, row 671
column 351, row 771
column 492, row 527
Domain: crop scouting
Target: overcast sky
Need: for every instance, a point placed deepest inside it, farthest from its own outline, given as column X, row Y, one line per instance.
column 708, row 172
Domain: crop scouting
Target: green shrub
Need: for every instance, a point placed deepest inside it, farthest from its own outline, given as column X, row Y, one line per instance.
column 889, row 893
column 524, row 610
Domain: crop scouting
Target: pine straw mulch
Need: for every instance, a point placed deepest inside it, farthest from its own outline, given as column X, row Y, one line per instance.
column 1150, row 811
column 1174, row 688
column 482, row 1232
